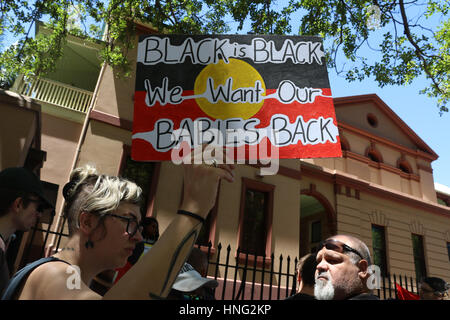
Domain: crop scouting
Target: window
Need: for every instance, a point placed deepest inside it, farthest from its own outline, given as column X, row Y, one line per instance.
column 208, row 230
column 419, row 256
column 203, row 236
column 142, row 174
column 373, row 156
column 379, row 248
column 448, row 250
column 404, row 166
column 316, row 234
column 256, row 218
column 254, row 228
column 372, row 120
column 316, row 231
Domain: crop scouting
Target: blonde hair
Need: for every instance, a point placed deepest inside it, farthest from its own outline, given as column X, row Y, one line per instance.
column 88, row 191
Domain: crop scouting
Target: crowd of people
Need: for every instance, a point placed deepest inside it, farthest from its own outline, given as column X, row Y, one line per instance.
column 107, row 232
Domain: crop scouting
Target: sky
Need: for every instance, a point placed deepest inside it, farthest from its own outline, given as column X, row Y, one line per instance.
column 418, row 111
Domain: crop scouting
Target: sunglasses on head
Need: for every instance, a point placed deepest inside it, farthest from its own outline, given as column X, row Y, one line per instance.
column 338, row 246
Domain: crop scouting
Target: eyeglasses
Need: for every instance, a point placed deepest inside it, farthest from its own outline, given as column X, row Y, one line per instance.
column 337, row 246
column 132, row 224
column 40, row 207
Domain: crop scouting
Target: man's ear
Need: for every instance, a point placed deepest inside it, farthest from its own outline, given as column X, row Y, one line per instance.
column 17, row 204
column 364, row 271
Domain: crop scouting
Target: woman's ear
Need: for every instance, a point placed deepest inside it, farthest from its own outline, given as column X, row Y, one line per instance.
column 88, row 222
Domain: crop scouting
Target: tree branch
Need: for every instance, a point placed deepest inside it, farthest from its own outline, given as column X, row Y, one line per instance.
column 418, row 52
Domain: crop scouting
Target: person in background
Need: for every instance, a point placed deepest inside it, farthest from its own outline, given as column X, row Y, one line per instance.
column 22, row 202
column 433, row 288
column 343, row 269
column 306, row 269
column 199, row 261
column 190, row 285
column 150, row 234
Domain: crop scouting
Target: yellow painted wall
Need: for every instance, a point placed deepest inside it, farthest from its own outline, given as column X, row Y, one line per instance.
column 103, row 147
column 17, row 129
column 355, row 217
column 59, row 139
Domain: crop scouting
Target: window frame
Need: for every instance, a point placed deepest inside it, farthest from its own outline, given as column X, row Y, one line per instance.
column 126, row 152
column 247, row 183
column 385, row 268
column 423, row 258
column 212, row 225
column 448, row 250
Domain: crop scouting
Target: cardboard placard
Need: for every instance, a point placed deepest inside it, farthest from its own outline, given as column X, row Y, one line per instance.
column 234, row 90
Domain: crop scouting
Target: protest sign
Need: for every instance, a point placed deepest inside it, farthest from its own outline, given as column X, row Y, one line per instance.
column 233, row 90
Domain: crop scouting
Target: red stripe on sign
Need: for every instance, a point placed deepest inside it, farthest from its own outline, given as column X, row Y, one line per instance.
column 145, row 118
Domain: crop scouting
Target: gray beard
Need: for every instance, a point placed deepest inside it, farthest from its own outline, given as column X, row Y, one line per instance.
column 323, row 290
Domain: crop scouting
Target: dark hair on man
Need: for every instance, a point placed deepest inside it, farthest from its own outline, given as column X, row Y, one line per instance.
column 307, row 267
column 437, row 284
column 8, row 196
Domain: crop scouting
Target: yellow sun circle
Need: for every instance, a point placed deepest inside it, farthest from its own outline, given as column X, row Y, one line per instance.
column 244, row 78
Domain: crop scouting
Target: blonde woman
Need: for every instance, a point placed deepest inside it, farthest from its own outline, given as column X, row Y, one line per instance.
column 104, row 226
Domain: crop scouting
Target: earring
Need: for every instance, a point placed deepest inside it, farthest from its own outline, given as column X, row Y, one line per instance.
column 88, row 244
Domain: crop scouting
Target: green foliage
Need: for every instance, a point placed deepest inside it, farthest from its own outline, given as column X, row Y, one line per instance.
column 407, row 50
column 392, row 44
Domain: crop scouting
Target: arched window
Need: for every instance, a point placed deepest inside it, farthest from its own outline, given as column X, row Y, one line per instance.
column 372, row 120
column 374, row 155
column 405, row 167
column 345, row 146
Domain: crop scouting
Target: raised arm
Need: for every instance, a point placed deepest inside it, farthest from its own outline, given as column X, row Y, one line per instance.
column 153, row 275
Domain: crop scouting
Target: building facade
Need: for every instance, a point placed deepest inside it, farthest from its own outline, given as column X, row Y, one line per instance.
column 381, row 191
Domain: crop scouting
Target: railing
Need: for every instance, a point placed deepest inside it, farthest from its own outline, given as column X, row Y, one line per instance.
column 237, row 281
column 257, row 281
column 269, row 283
column 56, row 93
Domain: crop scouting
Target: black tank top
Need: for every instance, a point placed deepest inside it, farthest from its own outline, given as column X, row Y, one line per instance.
column 16, row 281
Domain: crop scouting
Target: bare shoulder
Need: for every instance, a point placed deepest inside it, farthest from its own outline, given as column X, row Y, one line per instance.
column 56, row 281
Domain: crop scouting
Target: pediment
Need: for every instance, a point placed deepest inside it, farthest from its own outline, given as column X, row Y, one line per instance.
column 371, row 115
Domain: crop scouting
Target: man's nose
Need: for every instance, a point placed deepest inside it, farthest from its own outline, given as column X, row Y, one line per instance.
column 322, row 266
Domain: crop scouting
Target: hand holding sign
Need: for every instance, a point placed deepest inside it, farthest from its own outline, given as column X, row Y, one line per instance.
column 201, row 181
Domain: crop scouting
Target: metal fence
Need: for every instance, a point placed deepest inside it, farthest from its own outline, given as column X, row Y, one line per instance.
column 243, row 279
column 275, row 283
column 269, row 278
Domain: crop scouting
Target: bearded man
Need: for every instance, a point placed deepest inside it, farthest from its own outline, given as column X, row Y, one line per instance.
column 343, row 271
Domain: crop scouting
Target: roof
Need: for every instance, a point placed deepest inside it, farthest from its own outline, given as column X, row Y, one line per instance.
column 442, row 188
column 389, row 113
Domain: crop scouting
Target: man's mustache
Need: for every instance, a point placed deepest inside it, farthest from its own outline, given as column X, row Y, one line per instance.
column 323, row 274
